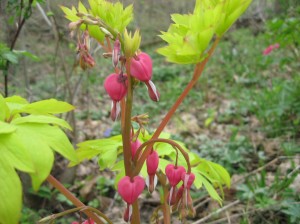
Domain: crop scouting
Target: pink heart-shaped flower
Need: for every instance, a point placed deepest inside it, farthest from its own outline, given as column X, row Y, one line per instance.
column 141, row 67
column 130, row 189
column 174, row 174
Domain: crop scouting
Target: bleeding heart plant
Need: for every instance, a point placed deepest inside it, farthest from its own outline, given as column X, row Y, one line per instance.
column 191, row 39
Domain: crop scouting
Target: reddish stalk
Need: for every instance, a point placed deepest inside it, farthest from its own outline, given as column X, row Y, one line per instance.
column 55, row 183
column 168, row 141
column 197, row 73
column 126, row 135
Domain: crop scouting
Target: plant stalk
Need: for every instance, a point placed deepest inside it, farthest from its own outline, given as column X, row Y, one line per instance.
column 126, row 136
column 55, row 183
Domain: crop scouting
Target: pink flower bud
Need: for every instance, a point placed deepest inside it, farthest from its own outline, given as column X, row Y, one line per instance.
column 174, row 174
column 152, row 165
column 134, row 146
column 115, row 86
column 116, row 52
column 141, row 67
column 152, row 162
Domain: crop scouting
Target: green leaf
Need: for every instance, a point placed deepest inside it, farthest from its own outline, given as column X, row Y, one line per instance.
column 11, row 57
column 92, row 148
column 210, row 189
column 70, row 14
column 10, row 193
column 28, row 54
column 6, row 128
column 51, row 106
column 15, row 103
column 56, row 139
column 42, row 120
column 107, row 159
column 39, row 151
column 13, row 150
column 4, row 111
column 118, row 177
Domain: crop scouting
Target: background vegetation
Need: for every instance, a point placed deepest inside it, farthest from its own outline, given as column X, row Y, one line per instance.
column 244, row 113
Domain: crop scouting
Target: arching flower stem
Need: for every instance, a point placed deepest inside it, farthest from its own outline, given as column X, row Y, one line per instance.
column 151, row 142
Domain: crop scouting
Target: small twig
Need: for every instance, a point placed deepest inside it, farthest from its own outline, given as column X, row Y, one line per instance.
column 217, row 212
column 232, row 217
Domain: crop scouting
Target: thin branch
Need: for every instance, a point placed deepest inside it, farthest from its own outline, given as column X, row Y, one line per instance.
column 203, row 220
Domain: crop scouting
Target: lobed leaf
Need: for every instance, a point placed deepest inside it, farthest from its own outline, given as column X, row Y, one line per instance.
column 39, row 151
column 13, row 150
column 10, row 193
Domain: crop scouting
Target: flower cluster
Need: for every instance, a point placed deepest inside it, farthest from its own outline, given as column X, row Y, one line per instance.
column 180, row 198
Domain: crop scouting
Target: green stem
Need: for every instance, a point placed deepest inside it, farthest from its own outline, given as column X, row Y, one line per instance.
column 55, row 183
column 197, row 73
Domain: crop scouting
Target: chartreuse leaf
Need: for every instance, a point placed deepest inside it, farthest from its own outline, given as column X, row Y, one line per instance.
column 15, row 103
column 92, row 148
column 4, row 111
column 51, row 106
column 70, row 14
column 215, row 172
column 55, row 138
column 41, row 119
column 107, row 158
column 13, row 150
column 10, row 193
column 232, row 10
column 210, row 189
column 6, row 128
column 118, row 177
column 40, row 152
column 131, row 42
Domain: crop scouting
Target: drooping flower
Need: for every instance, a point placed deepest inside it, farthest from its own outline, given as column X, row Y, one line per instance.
column 130, row 189
column 116, row 87
column 270, row 48
column 174, row 174
column 152, row 165
column 84, row 58
column 141, row 69
column 187, row 202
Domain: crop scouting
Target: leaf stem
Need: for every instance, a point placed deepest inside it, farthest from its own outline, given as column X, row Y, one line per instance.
column 55, row 183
